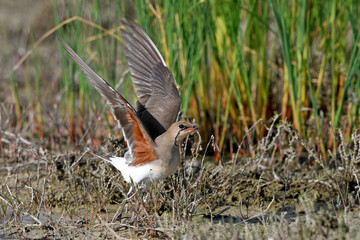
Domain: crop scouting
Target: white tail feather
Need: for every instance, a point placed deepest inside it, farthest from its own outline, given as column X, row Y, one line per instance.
column 137, row 174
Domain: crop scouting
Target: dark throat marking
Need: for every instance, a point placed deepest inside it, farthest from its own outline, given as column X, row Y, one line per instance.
column 177, row 135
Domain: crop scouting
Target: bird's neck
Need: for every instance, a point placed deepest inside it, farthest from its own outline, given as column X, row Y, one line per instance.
column 166, row 140
column 165, row 146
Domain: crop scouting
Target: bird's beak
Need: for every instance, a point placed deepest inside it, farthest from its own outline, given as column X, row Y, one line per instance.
column 194, row 128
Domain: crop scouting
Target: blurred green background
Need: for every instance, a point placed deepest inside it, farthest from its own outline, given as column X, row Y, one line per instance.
column 235, row 62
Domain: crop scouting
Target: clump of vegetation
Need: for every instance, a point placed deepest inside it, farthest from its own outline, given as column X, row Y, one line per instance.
column 274, row 193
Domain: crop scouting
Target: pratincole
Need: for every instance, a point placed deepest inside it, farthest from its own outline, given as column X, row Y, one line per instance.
column 151, row 131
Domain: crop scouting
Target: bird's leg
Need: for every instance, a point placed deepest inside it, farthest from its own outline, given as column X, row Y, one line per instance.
column 144, row 187
column 132, row 186
column 120, row 210
column 127, row 195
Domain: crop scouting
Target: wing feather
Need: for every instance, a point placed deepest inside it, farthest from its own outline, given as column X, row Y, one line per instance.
column 140, row 144
column 159, row 101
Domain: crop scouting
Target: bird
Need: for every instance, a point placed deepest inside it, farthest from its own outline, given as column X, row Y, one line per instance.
column 151, row 131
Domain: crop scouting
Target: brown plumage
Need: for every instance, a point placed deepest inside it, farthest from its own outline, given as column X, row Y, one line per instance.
column 143, row 151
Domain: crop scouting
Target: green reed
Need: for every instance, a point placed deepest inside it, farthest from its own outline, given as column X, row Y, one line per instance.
column 96, row 48
column 220, row 52
column 14, row 89
column 234, row 61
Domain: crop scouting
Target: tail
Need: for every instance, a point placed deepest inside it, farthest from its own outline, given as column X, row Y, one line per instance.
column 136, row 174
column 120, row 164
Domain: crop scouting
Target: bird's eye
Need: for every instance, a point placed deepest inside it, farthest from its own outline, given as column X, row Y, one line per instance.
column 181, row 126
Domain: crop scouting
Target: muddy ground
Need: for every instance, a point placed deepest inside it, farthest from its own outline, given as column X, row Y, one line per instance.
column 276, row 193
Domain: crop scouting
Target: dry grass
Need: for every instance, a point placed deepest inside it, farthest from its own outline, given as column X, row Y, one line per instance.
column 279, row 193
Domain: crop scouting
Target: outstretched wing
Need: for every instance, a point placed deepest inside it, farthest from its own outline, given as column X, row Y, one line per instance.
column 139, row 142
column 159, row 101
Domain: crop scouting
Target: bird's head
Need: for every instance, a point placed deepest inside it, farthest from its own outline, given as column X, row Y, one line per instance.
column 180, row 130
